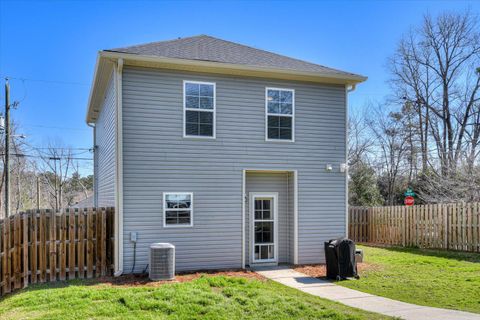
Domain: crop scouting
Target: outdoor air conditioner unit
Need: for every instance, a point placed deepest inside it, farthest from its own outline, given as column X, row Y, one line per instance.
column 162, row 261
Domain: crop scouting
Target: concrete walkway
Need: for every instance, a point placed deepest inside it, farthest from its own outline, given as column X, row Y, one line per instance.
column 328, row 290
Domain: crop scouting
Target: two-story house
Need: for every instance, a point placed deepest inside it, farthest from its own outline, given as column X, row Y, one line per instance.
column 235, row 155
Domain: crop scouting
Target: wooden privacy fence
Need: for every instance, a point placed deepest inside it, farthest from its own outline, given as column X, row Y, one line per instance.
column 44, row 245
column 454, row 226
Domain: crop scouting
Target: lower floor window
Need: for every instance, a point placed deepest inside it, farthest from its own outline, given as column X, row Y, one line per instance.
column 177, row 208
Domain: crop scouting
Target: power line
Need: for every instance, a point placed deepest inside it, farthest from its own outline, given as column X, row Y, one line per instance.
column 48, row 81
column 34, row 156
column 55, row 127
column 59, row 148
column 56, row 148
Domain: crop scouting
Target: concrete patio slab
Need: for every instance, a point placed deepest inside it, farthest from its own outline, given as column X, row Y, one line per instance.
column 303, row 282
column 361, row 300
column 278, row 272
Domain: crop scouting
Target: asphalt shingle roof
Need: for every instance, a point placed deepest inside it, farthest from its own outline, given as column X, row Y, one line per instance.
column 207, row 48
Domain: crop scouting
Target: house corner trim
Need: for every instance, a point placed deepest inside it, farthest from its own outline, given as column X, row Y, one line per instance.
column 118, row 258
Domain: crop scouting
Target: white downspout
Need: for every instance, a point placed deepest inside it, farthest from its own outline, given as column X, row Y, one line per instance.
column 295, row 217
column 118, row 259
column 244, row 175
column 348, row 89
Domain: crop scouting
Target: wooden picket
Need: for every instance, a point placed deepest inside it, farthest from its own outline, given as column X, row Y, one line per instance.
column 453, row 226
column 44, row 245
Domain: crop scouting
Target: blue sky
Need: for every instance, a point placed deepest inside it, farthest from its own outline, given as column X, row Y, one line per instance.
column 52, row 45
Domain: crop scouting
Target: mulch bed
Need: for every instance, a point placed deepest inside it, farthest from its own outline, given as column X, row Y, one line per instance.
column 144, row 281
column 312, row 270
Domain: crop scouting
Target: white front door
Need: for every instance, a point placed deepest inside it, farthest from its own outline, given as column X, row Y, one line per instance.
column 263, row 227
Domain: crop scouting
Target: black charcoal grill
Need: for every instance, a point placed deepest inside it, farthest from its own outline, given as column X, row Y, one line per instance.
column 340, row 258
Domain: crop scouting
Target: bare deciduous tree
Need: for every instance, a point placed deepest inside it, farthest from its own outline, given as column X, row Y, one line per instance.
column 388, row 130
column 436, row 70
column 56, row 162
column 359, row 142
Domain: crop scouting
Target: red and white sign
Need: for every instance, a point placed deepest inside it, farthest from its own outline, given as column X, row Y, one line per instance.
column 409, row 201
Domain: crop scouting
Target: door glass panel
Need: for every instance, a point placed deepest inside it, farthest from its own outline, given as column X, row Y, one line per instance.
column 264, row 252
column 270, row 252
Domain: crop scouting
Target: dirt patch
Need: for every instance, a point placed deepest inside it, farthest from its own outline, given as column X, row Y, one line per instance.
column 142, row 280
column 320, row 270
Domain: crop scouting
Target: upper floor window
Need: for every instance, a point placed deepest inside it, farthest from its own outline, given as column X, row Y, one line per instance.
column 199, row 109
column 280, row 114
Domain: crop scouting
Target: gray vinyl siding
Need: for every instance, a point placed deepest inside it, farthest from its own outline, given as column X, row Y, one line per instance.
column 105, row 149
column 157, row 159
column 275, row 183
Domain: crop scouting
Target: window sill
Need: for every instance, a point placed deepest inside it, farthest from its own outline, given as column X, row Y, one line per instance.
column 279, row 141
column 199, row 138
column 177, row 226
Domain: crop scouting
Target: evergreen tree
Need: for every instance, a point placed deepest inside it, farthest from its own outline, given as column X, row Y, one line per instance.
column 363, row 187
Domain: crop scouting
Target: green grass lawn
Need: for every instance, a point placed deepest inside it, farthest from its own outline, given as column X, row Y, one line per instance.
column 435, row 278
column 208, row 297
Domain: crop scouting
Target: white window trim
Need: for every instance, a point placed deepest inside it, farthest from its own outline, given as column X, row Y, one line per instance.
column 282, row 115
column 165, row 225
column 214, row 110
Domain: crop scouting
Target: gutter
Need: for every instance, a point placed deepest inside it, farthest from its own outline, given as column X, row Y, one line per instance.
column 118, row 257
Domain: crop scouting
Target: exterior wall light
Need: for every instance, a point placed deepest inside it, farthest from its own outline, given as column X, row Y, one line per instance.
column 329, row 167
column 343, row 167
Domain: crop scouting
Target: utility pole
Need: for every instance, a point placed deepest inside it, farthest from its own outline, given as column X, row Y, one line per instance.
column 7, row 148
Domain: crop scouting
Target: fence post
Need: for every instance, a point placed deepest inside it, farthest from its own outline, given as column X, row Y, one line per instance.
column 370, row 224
column 476, row 229
column 104, row 242
column 71, row 243
column 90, row 248
column 98, row 241
column 17, row 238
column 6, row 258
column 80, row 244
column 63, row 244
column 43, row 247
column 445, row 226
column 25, row 249
column 53, row 246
